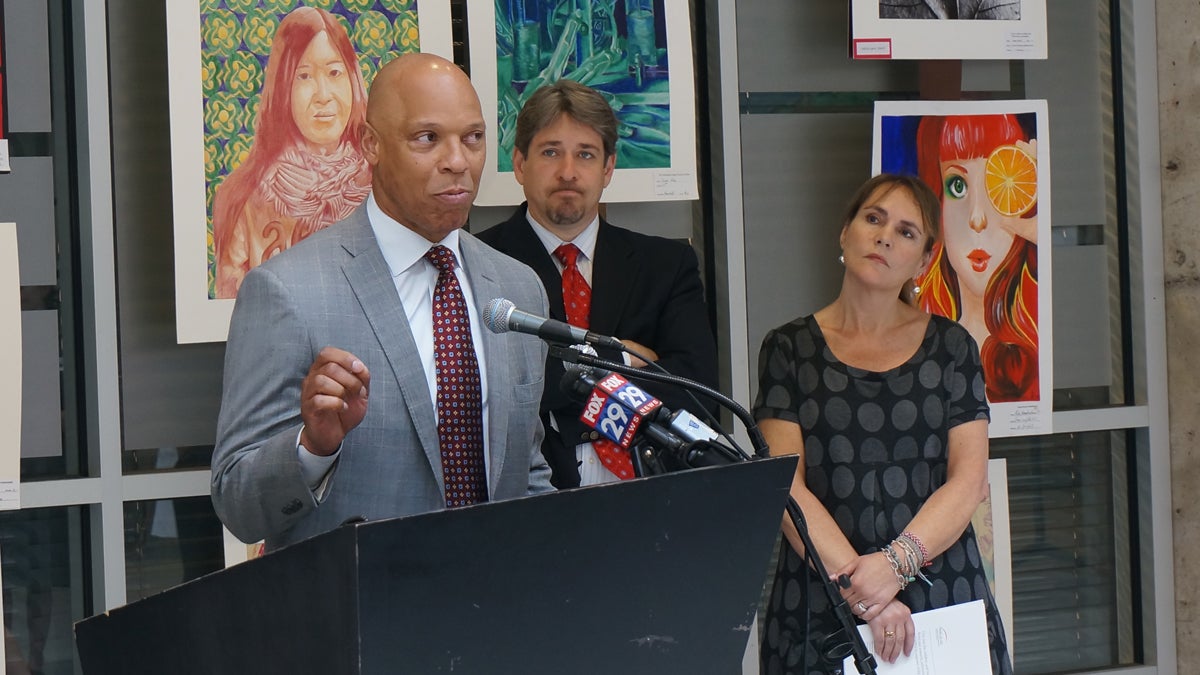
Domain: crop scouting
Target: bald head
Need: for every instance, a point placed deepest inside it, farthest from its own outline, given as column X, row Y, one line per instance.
column 412, row 75
column 424, row 140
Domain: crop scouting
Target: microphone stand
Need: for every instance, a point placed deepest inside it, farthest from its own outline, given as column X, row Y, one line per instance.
column 863, row 659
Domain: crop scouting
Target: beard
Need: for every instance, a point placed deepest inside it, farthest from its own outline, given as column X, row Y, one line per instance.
column 566, row 211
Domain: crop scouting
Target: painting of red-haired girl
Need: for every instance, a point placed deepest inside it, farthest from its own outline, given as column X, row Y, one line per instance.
column 985, row 272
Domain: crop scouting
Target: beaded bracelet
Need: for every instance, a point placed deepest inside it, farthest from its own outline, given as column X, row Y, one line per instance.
column 911, row 569
column 914, row 564
column 920, row 545
column 910, row 563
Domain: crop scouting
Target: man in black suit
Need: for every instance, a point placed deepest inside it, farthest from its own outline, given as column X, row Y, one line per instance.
column 641, row 289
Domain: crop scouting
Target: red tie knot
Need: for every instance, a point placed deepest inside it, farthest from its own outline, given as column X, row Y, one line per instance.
column 441, row 257
column 567, row 254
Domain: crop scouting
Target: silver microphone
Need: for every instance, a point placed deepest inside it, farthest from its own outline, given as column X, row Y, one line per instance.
column 502, row 316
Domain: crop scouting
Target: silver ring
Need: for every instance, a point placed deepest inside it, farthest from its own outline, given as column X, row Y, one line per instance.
column 862, row 609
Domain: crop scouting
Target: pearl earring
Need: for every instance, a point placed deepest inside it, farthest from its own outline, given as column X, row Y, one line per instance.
column 916, row 289
column 842, row 259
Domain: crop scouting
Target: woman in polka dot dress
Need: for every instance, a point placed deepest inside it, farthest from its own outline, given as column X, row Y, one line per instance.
column 885, row 405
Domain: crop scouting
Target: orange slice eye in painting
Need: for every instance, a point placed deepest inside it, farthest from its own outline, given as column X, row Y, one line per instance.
column 1011, row 180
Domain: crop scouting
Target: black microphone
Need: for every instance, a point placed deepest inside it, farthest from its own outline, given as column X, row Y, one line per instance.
column 617, row 409
column 620, row 410
column 683, row 423
column 502, row 316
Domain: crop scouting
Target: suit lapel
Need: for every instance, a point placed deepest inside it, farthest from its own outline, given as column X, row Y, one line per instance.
column 522, row 243
column 482, row 275
column 371, row 282
column 614, row 270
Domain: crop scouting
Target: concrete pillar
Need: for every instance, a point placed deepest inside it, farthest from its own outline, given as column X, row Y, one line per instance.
column 1179, row 118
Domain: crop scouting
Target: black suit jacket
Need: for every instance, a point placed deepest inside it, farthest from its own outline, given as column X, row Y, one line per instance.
column 644, row 288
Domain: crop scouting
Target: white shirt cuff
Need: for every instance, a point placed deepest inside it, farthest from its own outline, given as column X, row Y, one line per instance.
column 315, row 469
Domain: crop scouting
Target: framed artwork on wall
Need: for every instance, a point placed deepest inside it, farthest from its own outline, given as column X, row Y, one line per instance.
column 10, row 341
column 989, row 164
column 637, row 53
column 948, row 29
column 4, row 162
column 993, row 533
column 267, row 100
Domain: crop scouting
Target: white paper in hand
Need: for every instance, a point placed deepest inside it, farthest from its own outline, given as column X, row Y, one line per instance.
column 950, row 641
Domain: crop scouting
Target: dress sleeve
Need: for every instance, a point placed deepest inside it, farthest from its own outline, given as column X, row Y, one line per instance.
column 778, row 393
column 968, row 398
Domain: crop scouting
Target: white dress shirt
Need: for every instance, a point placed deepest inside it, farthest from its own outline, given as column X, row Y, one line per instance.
column 415, row 278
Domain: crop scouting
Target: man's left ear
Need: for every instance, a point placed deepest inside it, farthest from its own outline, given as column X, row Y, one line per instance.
column 610, row 164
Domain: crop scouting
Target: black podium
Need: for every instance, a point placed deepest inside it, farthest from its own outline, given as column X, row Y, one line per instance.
column 657, row 575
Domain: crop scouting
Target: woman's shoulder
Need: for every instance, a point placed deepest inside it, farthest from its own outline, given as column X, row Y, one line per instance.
column 799, row 325
column 946, row 326
column 800, row 337
column 953, row 335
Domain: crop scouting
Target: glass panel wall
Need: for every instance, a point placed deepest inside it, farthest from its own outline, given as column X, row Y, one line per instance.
column 1070, row 551
column 37, row 195
column 168, row 542
column 43, row 555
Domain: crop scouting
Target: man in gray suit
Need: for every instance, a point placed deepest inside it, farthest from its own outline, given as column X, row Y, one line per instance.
column 332, row 397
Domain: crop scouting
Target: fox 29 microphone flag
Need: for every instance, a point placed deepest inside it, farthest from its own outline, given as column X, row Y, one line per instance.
column 616, row 407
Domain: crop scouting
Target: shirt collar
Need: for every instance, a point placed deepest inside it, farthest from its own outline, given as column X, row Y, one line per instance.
column 402, row 247
column 585, row 241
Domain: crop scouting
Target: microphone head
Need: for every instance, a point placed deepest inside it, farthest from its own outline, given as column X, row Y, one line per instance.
column 577, row 369
column 495, row 315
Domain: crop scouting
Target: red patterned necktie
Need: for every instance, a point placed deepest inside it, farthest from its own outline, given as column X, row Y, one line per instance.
column 459, row 393
column 577, row 303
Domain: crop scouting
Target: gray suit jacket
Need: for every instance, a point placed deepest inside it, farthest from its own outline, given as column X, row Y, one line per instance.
column 334, row 289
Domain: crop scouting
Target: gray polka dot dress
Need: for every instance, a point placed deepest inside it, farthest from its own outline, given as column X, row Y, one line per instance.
column 874, row 451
